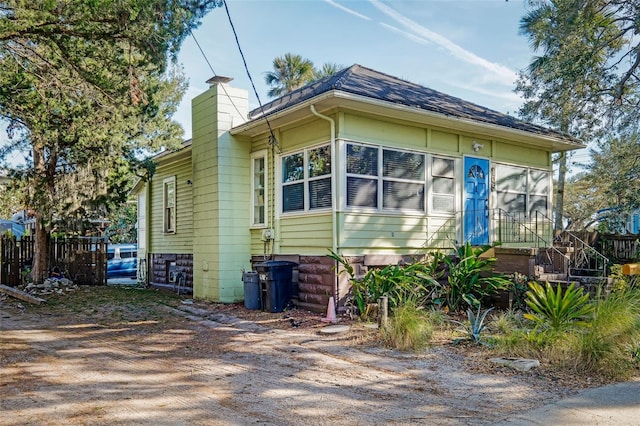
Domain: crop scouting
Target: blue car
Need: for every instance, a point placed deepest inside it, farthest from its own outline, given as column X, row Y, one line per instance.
column 122, row 260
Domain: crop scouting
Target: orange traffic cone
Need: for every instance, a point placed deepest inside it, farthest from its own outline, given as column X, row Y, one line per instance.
column 331, row 312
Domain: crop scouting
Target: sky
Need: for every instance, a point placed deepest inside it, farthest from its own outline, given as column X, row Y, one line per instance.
column 471, row 49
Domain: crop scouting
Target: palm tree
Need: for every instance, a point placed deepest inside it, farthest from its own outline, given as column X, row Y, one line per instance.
column 289, row 73
column 328, row 69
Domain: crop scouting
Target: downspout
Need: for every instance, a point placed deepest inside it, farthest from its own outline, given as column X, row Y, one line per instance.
column 334, row 213
column 334, row 203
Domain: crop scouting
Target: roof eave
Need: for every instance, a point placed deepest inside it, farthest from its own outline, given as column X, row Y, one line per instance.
column 338, row 98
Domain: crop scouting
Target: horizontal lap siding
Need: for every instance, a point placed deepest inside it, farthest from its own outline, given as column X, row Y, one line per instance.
column 182, row 240
column 376, row 233
column 389, row 134
column 307, row 235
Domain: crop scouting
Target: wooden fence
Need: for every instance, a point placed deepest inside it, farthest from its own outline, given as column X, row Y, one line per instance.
column 620, row 248
column 617, row 248
column 83, row 260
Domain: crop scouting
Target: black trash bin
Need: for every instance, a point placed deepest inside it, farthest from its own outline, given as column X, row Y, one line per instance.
column 275, row 283
column 251, row 290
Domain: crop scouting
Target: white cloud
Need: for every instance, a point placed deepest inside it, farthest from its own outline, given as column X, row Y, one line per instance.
column 420, row 34
column 346, row 9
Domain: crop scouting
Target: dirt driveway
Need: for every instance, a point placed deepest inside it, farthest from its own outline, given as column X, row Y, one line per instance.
column 125, row 356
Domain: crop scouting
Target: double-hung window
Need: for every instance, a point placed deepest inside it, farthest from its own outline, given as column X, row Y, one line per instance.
column 259, row 189
column 384, row 178
column 306, row 180
column 169, row 204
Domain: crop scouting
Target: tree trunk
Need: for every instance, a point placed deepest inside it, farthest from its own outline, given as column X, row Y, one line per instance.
column 43, row 185
column 40, row 265
column 562, row 172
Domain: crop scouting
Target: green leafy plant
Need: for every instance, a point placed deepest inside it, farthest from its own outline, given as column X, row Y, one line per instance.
column 470, row 278
column 474, row 326
column 508, row 321
column 409, row 328
column 556, row 309
column 519, row 288
column 400, row 283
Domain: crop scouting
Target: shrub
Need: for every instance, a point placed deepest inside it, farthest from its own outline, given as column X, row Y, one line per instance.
column 400, row 283
column 519, row 288
column 470, row 279
column 408, row 329
column 557, row 310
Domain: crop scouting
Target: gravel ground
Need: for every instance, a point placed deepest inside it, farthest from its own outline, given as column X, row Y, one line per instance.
column 122, row 356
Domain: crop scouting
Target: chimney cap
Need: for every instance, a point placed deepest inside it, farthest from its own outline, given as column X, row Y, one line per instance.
column 219, row 79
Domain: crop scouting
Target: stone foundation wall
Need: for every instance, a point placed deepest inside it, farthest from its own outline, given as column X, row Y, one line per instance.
column 163, row 263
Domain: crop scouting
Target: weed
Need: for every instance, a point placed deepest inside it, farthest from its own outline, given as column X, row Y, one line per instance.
column 507, row 321
column 408, row 328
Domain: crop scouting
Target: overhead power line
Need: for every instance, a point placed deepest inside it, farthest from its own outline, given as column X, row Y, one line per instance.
column 214, row 74
column 273, row 140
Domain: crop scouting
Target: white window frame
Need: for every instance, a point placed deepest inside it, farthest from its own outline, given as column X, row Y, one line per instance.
column 527, row 189
column 305, row 181
column 456, row 185
column 381, row 179
column 255, row 190
column 169, row 226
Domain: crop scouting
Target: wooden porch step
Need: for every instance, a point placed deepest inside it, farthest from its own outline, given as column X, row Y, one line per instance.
column 552, row 277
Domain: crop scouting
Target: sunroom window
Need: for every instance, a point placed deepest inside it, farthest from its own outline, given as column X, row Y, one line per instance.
column 306, row 180
column 511, row 189
column 443, row 185
column 403, row 180
column 389, row 178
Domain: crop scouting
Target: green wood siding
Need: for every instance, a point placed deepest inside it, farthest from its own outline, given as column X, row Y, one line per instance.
column 370, row 233
column 221, row 168
column 180, row 242
column 379, row 233
column 443, row 142
column 302, row 135
column 373, row 130
column 305, row 235
column 525, row 156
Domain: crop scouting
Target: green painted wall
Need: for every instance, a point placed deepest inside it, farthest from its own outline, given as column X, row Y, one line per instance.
column 525, row 156
column 370, row 233
column 221, row 190
column 380, row 233
column 373, row 130
column 180, row 242
column 305, row 235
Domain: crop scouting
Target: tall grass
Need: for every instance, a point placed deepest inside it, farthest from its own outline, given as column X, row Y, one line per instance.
column 606, row 343
column 609, row 345
column 409, row 328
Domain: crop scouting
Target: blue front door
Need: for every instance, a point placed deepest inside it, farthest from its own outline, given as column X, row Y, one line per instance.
column 476, row 201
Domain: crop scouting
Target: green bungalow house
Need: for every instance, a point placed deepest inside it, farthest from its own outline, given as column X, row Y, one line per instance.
column 363, row 163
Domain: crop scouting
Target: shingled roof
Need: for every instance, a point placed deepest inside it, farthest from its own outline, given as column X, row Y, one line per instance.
column 362, row 81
